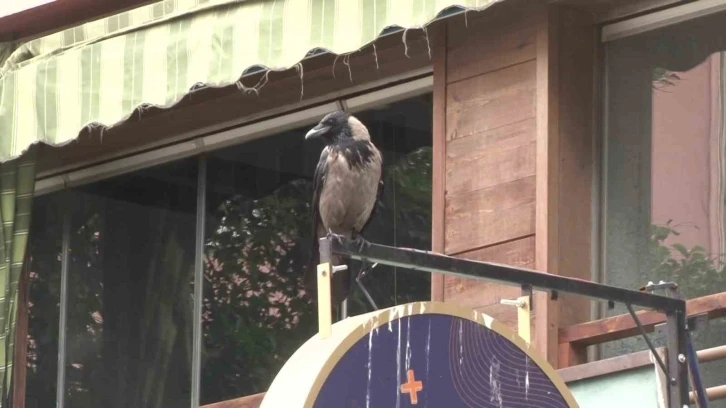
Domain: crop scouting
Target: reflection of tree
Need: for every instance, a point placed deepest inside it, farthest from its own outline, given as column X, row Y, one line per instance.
column 256, row 313
column 697, row 273
column 663, row 78
column 43, row 304
column 129, row 318
column 255, row 310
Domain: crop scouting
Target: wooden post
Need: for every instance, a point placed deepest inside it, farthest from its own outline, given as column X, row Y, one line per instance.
column 325, row 312
column 524, row 314
column 523, row 318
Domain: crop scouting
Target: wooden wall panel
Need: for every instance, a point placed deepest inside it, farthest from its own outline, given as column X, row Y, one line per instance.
column 518, row 122
column 480, row 293
column 490, row 100
column 485, row 296
column 490, row 150
column 490, row 216
column 578, row 43
column 514, row 45
column 490, row 158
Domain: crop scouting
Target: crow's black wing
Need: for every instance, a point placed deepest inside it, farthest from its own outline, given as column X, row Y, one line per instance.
column 321, row 172
column 379, row 200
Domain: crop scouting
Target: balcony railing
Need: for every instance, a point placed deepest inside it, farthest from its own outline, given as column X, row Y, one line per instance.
column 574, row 340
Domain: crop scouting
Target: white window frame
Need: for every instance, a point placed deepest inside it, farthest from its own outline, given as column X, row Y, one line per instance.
column 660, row 19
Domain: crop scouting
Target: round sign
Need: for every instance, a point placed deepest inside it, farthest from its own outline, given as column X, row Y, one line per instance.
column 427, row 354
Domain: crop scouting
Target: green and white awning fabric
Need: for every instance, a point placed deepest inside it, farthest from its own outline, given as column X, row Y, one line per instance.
column 99, row 72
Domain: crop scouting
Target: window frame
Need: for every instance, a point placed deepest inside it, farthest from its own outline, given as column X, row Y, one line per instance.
column 409, row 85
column 671, row 17
column 611, row 32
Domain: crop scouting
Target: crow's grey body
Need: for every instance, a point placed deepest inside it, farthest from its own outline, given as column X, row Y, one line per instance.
column 346, row 184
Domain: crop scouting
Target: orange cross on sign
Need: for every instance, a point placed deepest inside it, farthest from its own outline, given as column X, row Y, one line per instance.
column 412, row 387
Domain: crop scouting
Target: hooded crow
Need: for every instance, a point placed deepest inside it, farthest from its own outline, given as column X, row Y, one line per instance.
column 346, row 185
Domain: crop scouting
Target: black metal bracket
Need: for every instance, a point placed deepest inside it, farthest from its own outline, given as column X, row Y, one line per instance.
column 425, row 261
column 658, row 359
column 365, row 292
column 527, row 291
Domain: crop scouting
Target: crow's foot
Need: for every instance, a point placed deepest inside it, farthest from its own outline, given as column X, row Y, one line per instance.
column 361, row 242
column 334, row 236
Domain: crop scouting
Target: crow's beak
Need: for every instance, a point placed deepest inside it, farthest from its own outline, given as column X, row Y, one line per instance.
column 317, row 131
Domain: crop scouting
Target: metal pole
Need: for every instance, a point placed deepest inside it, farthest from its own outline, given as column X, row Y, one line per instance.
column 326, row 250
column 199, row 281
column 344, row 309
column 63, row 323
column 677, row 367
column 426, row 261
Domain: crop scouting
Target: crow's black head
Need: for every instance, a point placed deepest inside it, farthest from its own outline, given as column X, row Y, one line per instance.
column 334, row 127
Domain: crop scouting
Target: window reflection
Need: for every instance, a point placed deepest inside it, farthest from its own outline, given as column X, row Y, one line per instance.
column 45, row 248
column 256, row 312
column 665, row 178
column 131, row 274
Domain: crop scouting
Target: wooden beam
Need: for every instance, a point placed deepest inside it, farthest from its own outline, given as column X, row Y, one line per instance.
column 711, row 354
column 713, row 393
column 547, row 186
column 58, row 15
column 438, row 187
column 623, row 326
column 609, row 366
column 250, row 401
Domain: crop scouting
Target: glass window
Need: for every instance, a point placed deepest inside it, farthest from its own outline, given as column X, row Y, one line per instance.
column 131, row 259
column 130, row 282
column 45, row 247
column 665, row 177
column 256, row 313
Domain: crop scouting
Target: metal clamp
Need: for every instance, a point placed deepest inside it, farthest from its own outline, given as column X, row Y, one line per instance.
column 523, row 316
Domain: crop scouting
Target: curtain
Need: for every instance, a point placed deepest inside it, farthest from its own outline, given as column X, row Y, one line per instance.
column 17, row 184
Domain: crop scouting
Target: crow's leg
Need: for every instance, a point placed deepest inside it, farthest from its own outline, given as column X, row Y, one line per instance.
column 360, row 241
column 362, row 244
column 364, row 268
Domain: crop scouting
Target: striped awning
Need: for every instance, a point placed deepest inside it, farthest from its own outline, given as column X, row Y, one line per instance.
column 99, row 72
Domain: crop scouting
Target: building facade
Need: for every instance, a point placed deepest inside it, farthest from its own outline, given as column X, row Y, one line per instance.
column 170, row 213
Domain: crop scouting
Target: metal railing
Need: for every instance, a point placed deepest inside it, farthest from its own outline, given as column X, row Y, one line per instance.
column 424, row 261
column 711, row 354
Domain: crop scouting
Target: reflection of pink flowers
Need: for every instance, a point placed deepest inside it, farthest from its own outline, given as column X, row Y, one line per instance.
column 223, row 284
column 98, row 328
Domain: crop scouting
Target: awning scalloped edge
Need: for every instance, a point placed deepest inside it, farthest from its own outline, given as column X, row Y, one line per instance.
column 101, row 80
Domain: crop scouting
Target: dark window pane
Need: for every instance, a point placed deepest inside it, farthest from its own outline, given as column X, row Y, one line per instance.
column 44, row 301
column 258, row 239
column 665, row 178
column 130, row 290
